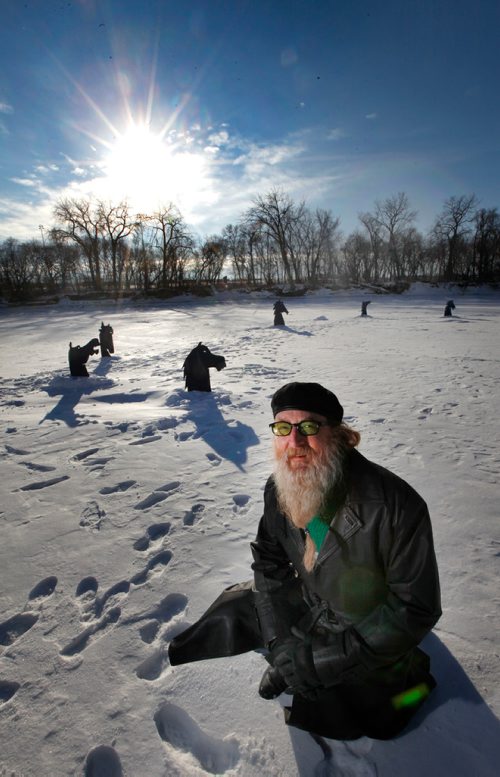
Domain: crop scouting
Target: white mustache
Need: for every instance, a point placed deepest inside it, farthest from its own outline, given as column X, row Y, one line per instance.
column 291, row 452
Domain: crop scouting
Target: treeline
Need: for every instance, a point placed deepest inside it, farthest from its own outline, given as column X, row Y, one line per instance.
column 100, row 247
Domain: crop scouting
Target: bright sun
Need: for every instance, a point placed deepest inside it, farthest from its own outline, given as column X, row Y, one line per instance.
column 150, row 171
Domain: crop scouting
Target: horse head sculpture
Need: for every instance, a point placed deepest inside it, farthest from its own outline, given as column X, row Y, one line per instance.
column 106, row 339
column 78, row 357
column 196, row 368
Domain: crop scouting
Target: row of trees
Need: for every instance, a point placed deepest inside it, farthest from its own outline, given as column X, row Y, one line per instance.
column 102, row 246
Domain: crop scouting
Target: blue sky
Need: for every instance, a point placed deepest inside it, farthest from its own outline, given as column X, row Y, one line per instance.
column 207, row 104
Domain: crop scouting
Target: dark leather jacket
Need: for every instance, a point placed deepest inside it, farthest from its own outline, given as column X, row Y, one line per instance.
column 373, row 593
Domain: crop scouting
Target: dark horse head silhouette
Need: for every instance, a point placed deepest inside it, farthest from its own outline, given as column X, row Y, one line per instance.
column 79, row 355
column 196, row 368
column 106, row 339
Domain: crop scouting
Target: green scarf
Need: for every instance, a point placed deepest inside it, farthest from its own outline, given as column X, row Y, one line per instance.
column 319, row 525
column 317, row 529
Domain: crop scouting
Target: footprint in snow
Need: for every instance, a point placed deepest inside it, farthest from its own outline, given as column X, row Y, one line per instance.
column 103, row 761
column 43, row 589
column 92, row 516
column 124, row 485
column 84, row 454
column 425, row 413
column 193, row 515
column 154, row 532
column 37, row 467
column 103, row 611
column 144, row 440
column 158, row 495
column 16, row 451
column 93, row 605
column 7, row 690
column 149, row 631
column 183, row 436
column 98, row 463
column 44, row 483
column 213, row 459
column 87, row 636
column 15, row 627
column 170, row 606
column 159, row 560
column 152, row 666
column 240, row 503
column 182, row 733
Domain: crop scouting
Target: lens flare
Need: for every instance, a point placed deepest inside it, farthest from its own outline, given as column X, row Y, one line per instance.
column 411, row 697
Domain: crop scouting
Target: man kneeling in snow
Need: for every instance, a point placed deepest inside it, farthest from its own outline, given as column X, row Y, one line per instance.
column 346, row 582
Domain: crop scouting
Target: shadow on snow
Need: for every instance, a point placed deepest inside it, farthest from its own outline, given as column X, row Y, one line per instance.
column 455, row 734
column 228, row 438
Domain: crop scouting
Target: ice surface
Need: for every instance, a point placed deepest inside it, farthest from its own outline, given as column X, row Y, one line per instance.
column 128, row 505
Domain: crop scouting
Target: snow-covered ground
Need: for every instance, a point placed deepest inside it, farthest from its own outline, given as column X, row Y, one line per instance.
column 129, row 504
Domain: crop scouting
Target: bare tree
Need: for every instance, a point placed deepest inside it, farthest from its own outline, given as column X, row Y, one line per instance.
column 395, row 217
column 355, row 249
column 486, row 245
column 115, row 226
column 210, row 261
column 374, row 228
column 277, row 215
column 235, row 238
column 174, row 243
column 143, row 263
column 82, row 224
column 17, row 271
column 453, row 226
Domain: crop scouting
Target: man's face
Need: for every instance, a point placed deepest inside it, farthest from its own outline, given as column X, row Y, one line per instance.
column 298, row 450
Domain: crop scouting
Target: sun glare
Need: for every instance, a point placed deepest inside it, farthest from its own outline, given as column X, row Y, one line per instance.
column 149, row 171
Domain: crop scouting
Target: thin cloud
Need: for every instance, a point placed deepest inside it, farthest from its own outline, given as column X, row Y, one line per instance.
column 219, row 138
column 24, row 181
column 371, row 116
column 6, row 108
column 336, row 134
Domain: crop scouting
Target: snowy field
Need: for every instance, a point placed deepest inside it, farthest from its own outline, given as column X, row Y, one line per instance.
column 129, row 504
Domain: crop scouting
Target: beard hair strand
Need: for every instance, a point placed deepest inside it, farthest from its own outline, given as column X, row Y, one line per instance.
column 302, row 493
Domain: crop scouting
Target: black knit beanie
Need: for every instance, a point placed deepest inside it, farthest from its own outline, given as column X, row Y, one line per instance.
column 311, row 397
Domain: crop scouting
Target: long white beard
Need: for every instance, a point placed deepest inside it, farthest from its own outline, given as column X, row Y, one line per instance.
column 302, row 492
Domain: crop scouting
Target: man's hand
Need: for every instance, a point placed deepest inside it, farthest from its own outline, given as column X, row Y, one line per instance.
column 272, row 684
column 293, row 659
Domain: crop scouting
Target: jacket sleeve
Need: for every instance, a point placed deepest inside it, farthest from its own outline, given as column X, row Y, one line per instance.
column 275, row 582
column 409, row 609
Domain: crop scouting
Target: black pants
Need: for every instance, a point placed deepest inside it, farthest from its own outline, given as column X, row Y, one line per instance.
column 379, row 707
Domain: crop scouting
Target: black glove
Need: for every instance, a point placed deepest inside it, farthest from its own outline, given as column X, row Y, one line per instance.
column 293, row 659
column 272, row 684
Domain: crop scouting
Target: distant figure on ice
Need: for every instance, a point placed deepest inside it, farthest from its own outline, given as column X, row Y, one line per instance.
column 196, row 368
column 79, row 355
column 279, row 308
column 450, row 305
column 106, row 339
column 364, row 305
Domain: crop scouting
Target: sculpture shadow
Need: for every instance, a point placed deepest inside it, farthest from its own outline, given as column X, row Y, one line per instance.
column 71, row 391
column 293, row 331
column 454, row 734
column 105, row 365
column 228, row 439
